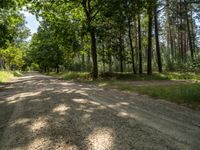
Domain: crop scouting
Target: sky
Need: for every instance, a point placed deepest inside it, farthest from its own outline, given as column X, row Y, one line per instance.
column 31, row 22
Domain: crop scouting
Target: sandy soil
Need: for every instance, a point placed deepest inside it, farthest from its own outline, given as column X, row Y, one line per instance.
column 43, row 113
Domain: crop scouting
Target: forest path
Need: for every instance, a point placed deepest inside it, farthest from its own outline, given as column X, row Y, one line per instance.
column 38, row 112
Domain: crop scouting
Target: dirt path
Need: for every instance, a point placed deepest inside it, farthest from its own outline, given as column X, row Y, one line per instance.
column 42, row 113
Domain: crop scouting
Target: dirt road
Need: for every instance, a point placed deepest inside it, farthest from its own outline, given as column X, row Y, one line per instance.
column 43, row 113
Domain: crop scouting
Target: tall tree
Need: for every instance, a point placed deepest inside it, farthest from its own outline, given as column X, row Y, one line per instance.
column 157, row 39
column 149, row 50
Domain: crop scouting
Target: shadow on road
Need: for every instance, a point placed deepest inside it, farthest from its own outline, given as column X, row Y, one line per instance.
column 40, row 112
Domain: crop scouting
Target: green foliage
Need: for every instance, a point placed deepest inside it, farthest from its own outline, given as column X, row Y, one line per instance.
column 34, row 67
column 12, row 25
column 13, row 57
column 17, row 73
column 45, row 50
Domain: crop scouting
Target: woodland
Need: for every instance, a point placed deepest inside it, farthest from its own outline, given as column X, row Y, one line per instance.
column 102, row 36
column 100, row 74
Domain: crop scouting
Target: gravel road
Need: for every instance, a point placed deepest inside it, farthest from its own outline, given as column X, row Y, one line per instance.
column 38, row 112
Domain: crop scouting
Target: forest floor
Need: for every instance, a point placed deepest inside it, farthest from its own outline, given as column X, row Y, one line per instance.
column 41, row 112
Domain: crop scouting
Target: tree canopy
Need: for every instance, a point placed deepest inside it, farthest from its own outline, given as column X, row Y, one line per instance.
column 100, row 36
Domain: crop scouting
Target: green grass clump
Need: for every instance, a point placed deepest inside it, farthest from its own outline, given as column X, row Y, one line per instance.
column 17, row 73
column 5, row 76
column 181, row 76
column 182, row 93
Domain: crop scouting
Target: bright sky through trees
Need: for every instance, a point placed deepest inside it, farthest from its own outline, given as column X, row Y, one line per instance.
column 31, row 22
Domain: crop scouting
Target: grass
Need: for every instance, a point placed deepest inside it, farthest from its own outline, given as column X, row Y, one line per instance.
column 6, row 76
column 72, row 75
column 155, row 76
column 187, row 94
column 127, row 76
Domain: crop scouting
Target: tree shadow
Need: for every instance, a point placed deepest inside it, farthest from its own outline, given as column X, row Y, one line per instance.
column 51, row 114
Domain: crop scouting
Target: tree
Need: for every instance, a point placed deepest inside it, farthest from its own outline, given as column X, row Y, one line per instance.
column 157, row 39
column 12, row 56
column 45, row 50
column 149, row 51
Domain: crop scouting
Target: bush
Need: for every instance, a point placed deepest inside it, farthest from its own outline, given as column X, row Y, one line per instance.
column 35, row 67
column 17, row 73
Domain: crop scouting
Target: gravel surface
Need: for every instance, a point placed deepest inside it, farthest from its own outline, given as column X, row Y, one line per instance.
column 43, row 113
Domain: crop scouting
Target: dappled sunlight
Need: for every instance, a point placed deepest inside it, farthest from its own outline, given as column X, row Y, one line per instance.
column 123, row 114
column 66, row 83
column 86, row 116
column 39, row 143
column 61, row 109
column 101, row 107
column 124, row 103
column 80, row 101
column 86, row 89
column 39, row 124
column 28, row 94
column 19, row 97
column 65, row 90
column 70, row 91
column 39, row 100
column 20, row 121
column 95, row 103
column 81, row 92
column 89, row 110
column 101, row 139
column 72, row 117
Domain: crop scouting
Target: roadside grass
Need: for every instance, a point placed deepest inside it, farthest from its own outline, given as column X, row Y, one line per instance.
column 86, row 76
column 186, row 93
column 72, row 75
column 155, row 76
column 6, row 76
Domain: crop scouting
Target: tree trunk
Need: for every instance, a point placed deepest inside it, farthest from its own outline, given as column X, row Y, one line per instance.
column 94, row 55
column 104, row 66
column 88, row 13
column 149, row 51
column 131, row 46
column 110, row 61
column 121, row 57
column 157, row 40
column 83, row 62
column 139, row 45
column 57, row 69
column 88, row 61
column 189, row 32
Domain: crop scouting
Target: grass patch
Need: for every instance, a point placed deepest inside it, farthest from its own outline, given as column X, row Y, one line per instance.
column 6, row 76
column 155, row 76
column 181, row 76
column 183, row 93
column 126, row 76
column 72, row 75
